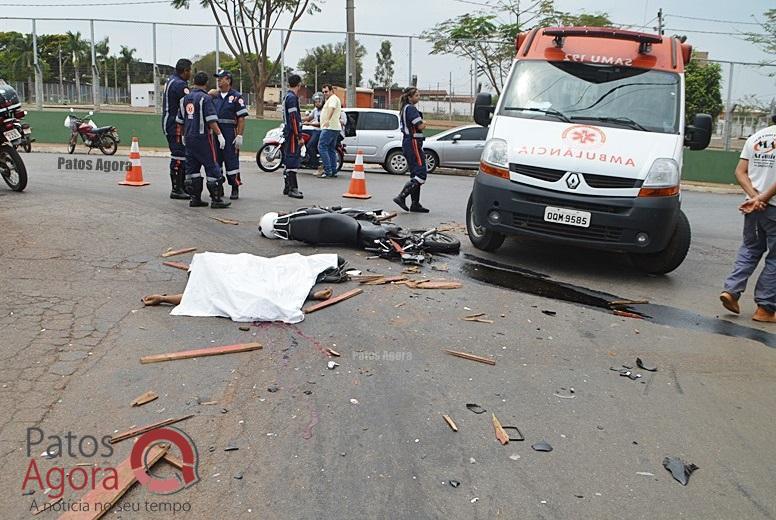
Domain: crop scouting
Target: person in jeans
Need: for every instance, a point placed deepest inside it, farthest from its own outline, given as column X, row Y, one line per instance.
column 756, row 173
column 330, row 131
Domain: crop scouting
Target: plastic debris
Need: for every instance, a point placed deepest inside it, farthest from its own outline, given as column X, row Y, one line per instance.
column 550, row 313
column 474, row 500
column 542, row 446
column 332, row 365
column 649, row 368
column 514, row 456
column 272, row 389
column 679, row 470
column 476, row 408
column 354, row 401
column 455, row 483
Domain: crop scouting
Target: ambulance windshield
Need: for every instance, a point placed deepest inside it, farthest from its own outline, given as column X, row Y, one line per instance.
column 606, row 95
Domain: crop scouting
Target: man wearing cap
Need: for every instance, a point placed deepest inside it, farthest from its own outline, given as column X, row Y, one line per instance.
column 231, row 111
column 176, row 87
column 197, row 120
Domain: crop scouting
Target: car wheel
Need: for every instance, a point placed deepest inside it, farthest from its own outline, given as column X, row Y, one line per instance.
column 432, row 161
column 396, row 163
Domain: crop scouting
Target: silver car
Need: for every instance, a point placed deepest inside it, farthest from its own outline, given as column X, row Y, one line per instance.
column 378, row 136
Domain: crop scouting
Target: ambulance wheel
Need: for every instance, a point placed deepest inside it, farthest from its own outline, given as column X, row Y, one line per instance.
column 672, row 256
column 480, row 236
column 108, row 145
column 12, row 168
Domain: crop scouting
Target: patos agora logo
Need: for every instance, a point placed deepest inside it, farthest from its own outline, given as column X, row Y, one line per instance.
column 583, row 136
column 141, row 460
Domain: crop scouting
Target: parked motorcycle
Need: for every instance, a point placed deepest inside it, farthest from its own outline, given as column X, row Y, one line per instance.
column 12, row 168
column 270, row 156
column 106, row 138
column 27, row 139
column 365, row 229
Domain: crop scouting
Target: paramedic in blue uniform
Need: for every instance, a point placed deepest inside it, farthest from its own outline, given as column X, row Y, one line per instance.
column 198, row 121
column 412, row 127
column 292, row 132
column 176, row 87
column 231, row 110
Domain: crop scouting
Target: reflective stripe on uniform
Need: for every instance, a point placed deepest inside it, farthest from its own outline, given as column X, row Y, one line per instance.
column 201, row 116
column 212, row 118
column 233, row 172
column 417, row 120
column 176, row 158
column 196, row 175
column 417, row 151
column 421, row 136
column 293, row 109
column 243, row 112
column 418, row 180
column 212, row 180
column 226, row 122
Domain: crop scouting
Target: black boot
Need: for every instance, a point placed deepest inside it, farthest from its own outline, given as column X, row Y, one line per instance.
column 401, row 198
column 293, row 187
column 177, row 187
column 415, row 195
column 216, row 191
column 286, row 185
column 195, row 191
column 234, row 182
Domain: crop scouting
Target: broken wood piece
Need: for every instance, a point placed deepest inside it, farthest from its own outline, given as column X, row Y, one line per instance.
column 625, row 303
column 323, row 295
column 471, row 316
column 177, row 265
column 333, row 352
column 501, row 435
column 384, row 280
column 201, row 352
column 142, row 429
column 145, row 398
column 387, row 216
column 332, row 301
column 470, row 357
column 626, row 314
column 97, row 502
column 402, row 304
column 450, row 422
column 433, row 284
column 168, row 254
column 173, row 460
column 479, row 320
column 411, row 270
column 226, row 221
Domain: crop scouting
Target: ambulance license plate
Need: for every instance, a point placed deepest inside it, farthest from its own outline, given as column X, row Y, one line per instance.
column 568, row 217
column 12, row 135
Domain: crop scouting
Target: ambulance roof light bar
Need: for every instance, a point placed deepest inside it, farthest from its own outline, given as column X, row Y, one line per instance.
column 644, row 40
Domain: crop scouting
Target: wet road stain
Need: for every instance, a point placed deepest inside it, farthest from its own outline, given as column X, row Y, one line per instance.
column 531, row 282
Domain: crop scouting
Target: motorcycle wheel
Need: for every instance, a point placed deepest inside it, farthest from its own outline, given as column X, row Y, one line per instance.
column 28, row 147
column 442, row 243
column 269, row 157
column 108, row 145
column 340, row 161
column 12, row 168
column 71, row 144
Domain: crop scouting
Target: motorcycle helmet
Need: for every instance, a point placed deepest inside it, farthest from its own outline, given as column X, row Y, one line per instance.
column 318, row 96
column 267, row 225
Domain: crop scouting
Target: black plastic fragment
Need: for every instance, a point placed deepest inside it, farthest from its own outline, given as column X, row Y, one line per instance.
column 455, row 483
column 679, row 470
column 476, row 408
column 550, row 313
column 641, row 365
column 514, row 437
column 542, row 446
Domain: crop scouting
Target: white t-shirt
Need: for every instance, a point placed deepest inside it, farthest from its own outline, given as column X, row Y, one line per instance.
column 760, row 151
column 331, row 113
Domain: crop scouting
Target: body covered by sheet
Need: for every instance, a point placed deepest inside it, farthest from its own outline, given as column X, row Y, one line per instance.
column 248, row 288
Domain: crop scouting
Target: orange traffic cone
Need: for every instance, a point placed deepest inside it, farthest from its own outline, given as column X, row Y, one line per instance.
column 357, row 189
column 134, row 176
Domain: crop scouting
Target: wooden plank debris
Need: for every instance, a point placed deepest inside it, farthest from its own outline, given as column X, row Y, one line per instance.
column 201, row 352
column 470, row 357
column 168, row 254
column 450, row 422
column 626, row 303
column 177, row 265
column 332, row 301
column 134, row 432
column 226, row 221
column 173, row 460
column 501, row 435
column 387, row 216
column 145, row 398
column 97, row 502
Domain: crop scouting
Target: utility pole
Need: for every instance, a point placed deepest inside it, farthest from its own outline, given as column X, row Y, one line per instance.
column 450, row 96
column 351, row 79
column 116, row 80
column 95, row 73
column 316, row 76
column 729, row 110
column 61, row 85
column 157, row 96
column 38, row 70
column 660, row 27
column 218, row 50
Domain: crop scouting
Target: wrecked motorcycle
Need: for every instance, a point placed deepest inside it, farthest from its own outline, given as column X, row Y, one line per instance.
column 365, row 229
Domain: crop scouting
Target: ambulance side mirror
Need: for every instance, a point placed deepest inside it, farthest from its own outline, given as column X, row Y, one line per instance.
column 698, row 135
column 483, row 109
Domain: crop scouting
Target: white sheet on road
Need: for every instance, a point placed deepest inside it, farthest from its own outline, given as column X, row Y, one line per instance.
column 248, row 288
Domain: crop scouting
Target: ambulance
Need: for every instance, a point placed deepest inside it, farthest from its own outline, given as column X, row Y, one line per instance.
column 585, row 146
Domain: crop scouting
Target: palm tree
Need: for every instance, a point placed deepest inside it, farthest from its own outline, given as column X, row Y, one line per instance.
column 102, row 50
column 77, row 49
column 23, row 64
column 127, row 58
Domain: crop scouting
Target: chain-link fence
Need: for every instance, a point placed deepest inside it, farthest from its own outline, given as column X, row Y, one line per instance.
column 125, row 63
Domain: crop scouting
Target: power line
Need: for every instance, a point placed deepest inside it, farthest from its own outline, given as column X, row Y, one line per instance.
column 716, row 20
column 101, row 4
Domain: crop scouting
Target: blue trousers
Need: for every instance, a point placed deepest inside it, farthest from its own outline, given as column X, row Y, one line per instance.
column 759, row 239
column 327, row 147
column 229, row 157
column 292, row 153
column 312, row 148
column 201, row 152
column 416, row 158
column 177, row 152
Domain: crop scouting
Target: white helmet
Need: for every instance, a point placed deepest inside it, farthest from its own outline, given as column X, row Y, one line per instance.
column 267, row 225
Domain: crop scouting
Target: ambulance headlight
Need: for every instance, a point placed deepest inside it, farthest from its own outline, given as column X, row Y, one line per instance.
column 495, row 153
column 664, row 173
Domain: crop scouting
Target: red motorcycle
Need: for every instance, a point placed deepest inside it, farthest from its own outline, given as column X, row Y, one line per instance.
column 106, row 138
column 270, row 155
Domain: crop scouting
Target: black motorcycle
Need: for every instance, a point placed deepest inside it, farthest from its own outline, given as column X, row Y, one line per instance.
column 12, row 168
column 364, row 229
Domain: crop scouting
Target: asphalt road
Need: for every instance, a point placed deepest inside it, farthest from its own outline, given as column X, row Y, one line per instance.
column 77, row 252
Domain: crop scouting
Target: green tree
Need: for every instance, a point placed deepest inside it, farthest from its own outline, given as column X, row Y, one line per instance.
column 384, row 71
column 23, row 59
column 767, row 39
column 76, row 50
column 331, row 62
column 240, row 23
column 127, row 60
column 702, row 89
column 489, row 36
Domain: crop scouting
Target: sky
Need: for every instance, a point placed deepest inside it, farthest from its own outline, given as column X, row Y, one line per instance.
column 408, row 17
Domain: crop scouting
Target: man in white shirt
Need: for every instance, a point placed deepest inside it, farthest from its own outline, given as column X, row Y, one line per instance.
column 330, row 130
column 756, row 173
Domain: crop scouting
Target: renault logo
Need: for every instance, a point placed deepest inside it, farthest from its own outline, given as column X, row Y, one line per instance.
column 573, row 181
